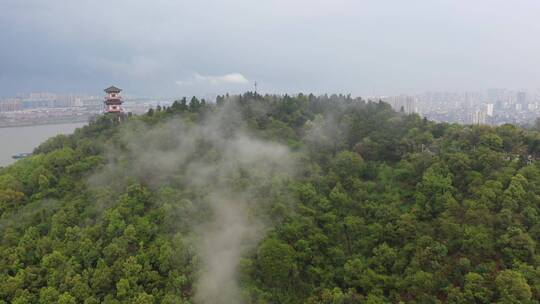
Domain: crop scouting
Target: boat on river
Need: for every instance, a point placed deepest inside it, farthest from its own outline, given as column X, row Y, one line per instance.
column 21, row 155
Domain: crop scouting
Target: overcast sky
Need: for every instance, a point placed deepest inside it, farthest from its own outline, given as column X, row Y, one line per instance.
column 179, row 47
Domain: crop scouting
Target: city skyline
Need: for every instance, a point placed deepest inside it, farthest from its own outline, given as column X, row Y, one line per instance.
column 374, row 93
column 493, row 106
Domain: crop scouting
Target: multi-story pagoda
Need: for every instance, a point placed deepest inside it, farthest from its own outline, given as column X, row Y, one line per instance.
column 113, row 100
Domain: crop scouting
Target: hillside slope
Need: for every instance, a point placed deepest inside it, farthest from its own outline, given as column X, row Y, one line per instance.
column 274, row 199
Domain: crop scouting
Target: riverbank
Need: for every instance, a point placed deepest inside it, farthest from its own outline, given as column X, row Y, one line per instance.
column 24, row 139
column 14, row 124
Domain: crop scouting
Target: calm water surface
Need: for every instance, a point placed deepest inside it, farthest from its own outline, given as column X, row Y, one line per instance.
column 24, row 139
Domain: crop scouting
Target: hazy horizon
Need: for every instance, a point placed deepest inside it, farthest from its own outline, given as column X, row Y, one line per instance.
column 172, row 48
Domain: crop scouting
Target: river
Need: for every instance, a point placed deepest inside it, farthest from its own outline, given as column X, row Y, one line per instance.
column 15, row 140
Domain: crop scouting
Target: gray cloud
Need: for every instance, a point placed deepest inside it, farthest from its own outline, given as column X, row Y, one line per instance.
column 232, row 78
column 303, row 45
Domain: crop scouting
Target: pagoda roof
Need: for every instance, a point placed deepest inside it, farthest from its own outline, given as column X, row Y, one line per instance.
column 113, row 89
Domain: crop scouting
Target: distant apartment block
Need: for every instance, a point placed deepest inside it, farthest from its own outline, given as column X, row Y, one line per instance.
column 10, row 105
column 489, row 109
column 478, row 117
column 407, row 104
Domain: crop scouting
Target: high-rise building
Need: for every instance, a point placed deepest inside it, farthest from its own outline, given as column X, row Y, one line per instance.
column 489, row 109
column 478, row 117
column 407, row 104
column 411, row 105
column 10, row 105
column 521, row 100
column 42, row 96
column 495, row 95
column 521, row 97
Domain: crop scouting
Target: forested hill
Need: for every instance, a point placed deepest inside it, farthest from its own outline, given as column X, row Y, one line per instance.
column 274, row 199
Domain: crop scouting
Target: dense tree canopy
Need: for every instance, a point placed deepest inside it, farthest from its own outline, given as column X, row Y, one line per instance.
column 383, row 208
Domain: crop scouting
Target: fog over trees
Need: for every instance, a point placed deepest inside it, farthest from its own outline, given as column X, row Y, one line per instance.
column 274, row 199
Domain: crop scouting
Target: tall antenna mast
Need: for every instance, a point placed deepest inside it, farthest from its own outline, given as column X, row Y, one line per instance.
column 255, row 88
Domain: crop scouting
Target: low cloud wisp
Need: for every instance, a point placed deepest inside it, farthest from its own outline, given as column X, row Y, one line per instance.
column 227, row 79
column 230, row 169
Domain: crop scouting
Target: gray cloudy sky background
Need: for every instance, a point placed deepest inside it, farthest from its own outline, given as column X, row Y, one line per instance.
column 173, row 48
